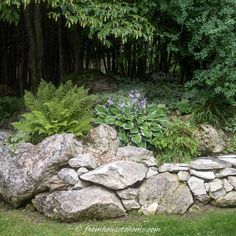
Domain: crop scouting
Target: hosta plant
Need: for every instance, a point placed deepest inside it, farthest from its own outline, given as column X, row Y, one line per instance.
column 137, row 121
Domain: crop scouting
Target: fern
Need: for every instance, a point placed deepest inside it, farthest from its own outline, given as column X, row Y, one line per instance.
column 67, row 109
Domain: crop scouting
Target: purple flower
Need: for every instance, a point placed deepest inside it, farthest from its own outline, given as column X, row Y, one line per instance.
column 109, row 101
column 143, row 103
column 134, row 96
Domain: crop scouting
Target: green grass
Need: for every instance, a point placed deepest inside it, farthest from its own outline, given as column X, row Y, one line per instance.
column 21, row 222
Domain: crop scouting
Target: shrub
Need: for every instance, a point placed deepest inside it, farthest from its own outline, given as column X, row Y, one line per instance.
column 137, row 122
column 55, row 110
column 177, row 143
column 9, row 106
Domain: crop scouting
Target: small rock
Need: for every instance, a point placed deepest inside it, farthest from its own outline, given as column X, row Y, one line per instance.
column 83, row 160
column 130, row 204
column 216, row 189
column 229, row 158
column 128, row 193
column 208, row 163
column 197, row 186
column 149, row 210
column 137, row 154
column 151, row 171
column 80, row 185
column 229, row 200
column 81, row 171
column 117, row 175
column 183, row 176
column 69, row 176
column 56, row 184
column 207, row 175
column 203, row 198
column 226, row 172
column 228, row 187
column 173, row 167
column 232, row 181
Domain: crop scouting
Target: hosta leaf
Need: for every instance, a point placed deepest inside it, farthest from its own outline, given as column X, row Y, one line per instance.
column 123, row 137
column 146, row 133
column 137, row 138
column 101, row 109
column 134, row 130
column 110, row 120
column 128, row 126
column 115, row 110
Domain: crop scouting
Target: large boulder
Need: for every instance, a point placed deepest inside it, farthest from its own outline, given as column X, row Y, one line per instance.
column 27, row 168
column 166, row 192
column 117, row 175
column 211, row 140
column 93, row 202
column 102, row 142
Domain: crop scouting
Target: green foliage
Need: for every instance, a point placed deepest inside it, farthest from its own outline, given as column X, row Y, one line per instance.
column 177, row 143
column 67, row 109
column 9, row 106
column 137, row 122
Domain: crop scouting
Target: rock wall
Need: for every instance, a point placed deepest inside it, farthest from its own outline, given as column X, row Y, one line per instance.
column 68, row 180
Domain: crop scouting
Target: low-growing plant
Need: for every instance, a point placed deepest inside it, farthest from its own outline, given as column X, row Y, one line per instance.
column 66, row 109
column 137, row 121
column 177, row 143
column 9, row 106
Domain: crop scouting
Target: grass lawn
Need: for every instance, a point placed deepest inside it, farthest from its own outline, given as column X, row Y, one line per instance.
column 22, row 222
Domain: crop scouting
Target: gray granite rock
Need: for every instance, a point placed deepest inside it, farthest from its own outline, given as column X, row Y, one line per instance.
column 208, row 163
column 197, row 186
column 137, row 154
column 102, row 142
column 86, row 160
column 183, row 176
column 130, row 204
column 30, row 165
column 81, row 171
column 229, row 200
column 151, row 172
column 207, row 175
column 166, row 192
column 128, row 193
column 173, row 167
column 117, row 175
column 227, row 186
column 229, row 158
column 226, row 172
column 68, row 176
column 93, row 202
column 232, row 181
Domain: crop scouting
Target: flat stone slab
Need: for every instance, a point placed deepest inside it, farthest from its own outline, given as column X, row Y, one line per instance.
column 226, row 172
column 173, row 167
column 209, row 163
column 117, row 175
column 207, row 175
column 229, row 158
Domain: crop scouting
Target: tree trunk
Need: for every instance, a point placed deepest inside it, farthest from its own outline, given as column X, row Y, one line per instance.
column 32, row 15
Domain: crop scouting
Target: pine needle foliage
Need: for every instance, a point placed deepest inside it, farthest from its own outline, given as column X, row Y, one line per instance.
column 66, row 109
